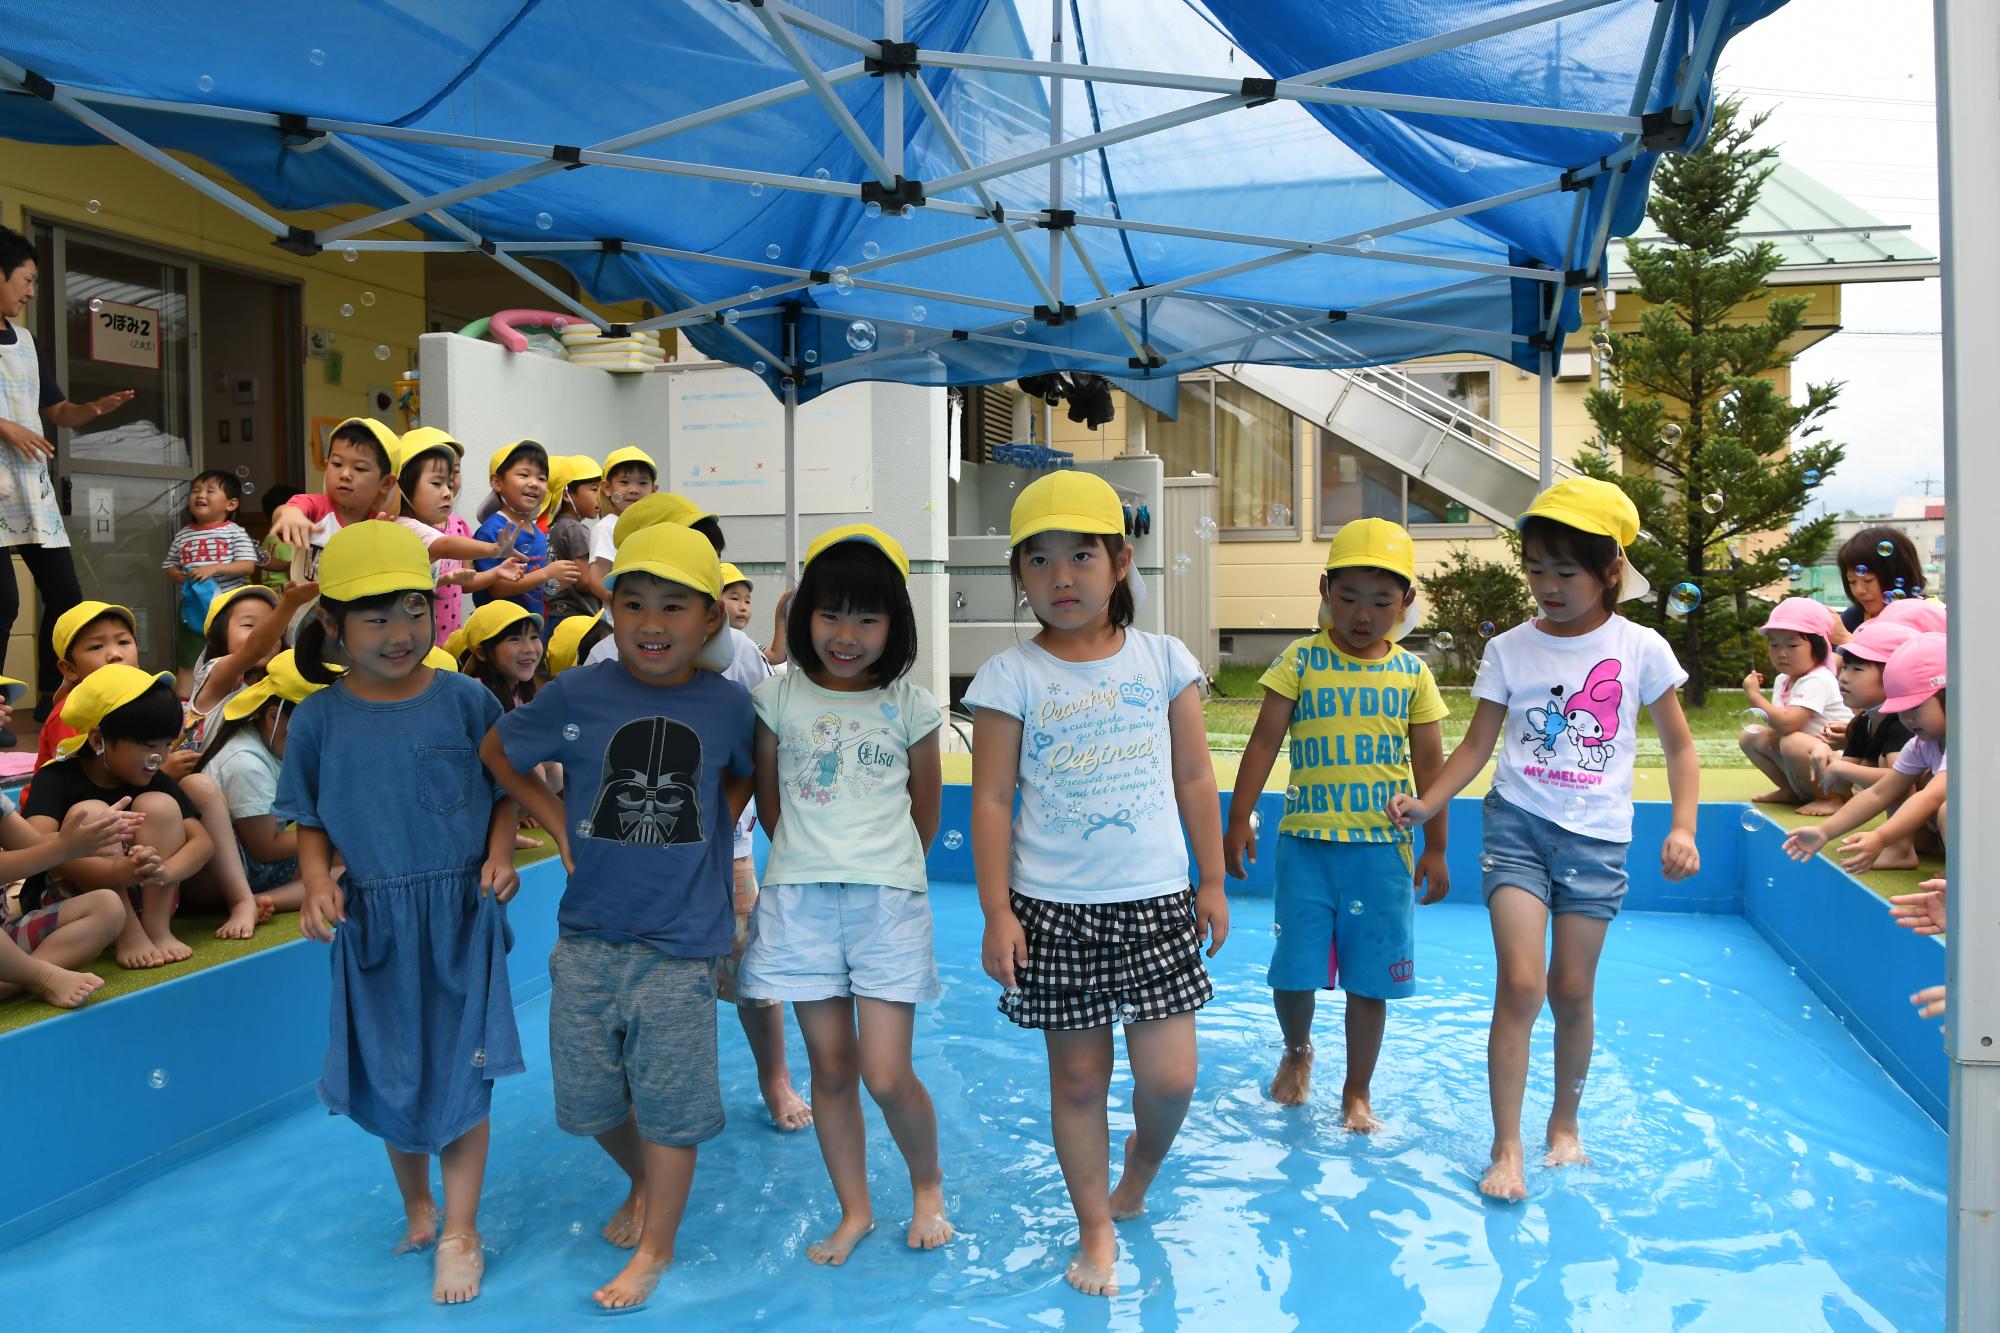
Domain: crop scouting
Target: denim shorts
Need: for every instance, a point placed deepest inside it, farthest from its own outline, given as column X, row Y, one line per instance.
column 1344, row 914
column 1567, row 871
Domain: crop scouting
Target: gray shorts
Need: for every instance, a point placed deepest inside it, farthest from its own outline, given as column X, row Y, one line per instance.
column 633, row 1030
column 1567, row 871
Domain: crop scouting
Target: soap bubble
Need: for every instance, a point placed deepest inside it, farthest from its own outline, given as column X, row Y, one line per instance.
column 91, row 206
column 1292, row 794
column 1444, row 639
column 153, row 761
column 1020, row 327
column 243, row 471
column 773, row 250
column 871, row 210
column 1684, row 598
column 157, row 1079
column 571, row 731
column 1861, row 571
column 1783, row 564
column 993, row 532
column 953, row 840
column 368, row 298
column 1811, row 477
column 1256, row 821
column 381, row 351
column 1893, row 595
column 1204, row 528
column 350, row 254
column 756, row 189
column 415, row 604
column 1280, row 516
column 843, row 281
column 1751, row 820
column 757, row 367
column 1486, row 862
column 479, row 1058
column 316, row 56
column 906, row 212
column 869, row 249
column 1183, row 562
column 96, row 304
column 1366, row 243
column 1795, row 573
column 1671, row 432
column 1486, row 629
column 1569, row 875
column 1277, row 929
column 786, row 382
column 918, row 314
column 1155, row 250
column 732, row 317
column 1268, row 619
column 1712, row 503
column 1462, row 161
column 346, row 310
column 1127, row 1012
column 821, row 173
column 861, row 335
column 544, row 221
column 583, row 828
column 1885, row 549
column 1575, row 809
column 205, row 83
column 576, row 1228
column 1354, row 907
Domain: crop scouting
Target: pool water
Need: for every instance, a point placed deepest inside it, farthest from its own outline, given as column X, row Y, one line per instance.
column 1754, row 1170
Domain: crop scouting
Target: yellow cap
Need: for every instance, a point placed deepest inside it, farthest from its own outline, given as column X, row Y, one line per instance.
column 1067, row 501
column 618, row 458
column 372, row 557
column 1373, row 543
column 582, row 467
column 281, row 681
column 1599, row 508
column 565, row 471
column 672, row 552
column 391, row 445
column 731, row 574
column 488, row 622
column 71, row 622
column 567, row 638
column 100, row 694
column 870, row 535
column 659, row 507
column 500, row 455
column 223, row 599
column 11, row 689
column 437, row 659
column 424, row 439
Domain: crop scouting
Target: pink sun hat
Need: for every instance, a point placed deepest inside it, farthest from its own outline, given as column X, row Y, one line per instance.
column 1800, row 615
column 1924, row 614
column 1915, row 672
column 1877, row 640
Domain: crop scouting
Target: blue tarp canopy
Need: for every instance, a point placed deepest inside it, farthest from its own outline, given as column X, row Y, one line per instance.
column 938, row 191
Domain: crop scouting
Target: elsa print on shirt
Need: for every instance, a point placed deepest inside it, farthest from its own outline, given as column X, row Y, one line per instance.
column 833, row 754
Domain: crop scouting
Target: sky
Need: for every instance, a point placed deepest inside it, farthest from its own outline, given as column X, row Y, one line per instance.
column 1851, row 98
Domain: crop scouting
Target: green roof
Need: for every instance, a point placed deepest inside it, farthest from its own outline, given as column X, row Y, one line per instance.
column 1820, row 236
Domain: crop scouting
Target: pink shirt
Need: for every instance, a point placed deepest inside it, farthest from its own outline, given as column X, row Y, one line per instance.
column 450, row 601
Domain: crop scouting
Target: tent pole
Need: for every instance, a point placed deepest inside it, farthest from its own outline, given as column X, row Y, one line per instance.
column 1548, row 427
column 1968, row 102
column 1056, row 90
column 791, row 484
column 892, row 92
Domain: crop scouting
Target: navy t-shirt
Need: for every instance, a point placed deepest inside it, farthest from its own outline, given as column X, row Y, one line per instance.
column 649, row 827
column 533, row 548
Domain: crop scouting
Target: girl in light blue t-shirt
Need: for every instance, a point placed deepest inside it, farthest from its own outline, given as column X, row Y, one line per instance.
column 848, row 786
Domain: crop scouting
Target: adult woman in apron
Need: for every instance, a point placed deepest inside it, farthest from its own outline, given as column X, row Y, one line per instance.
column 31, row 523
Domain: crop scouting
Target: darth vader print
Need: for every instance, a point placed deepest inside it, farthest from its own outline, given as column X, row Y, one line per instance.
column 648, row 794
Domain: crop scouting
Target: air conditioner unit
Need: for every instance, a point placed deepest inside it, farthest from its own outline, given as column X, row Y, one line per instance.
column 1573, row 366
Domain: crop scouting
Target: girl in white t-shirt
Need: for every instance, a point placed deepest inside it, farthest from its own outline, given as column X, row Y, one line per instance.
column 1090, row 920
column 848, row 786
column 1561, row 696
column 1798, row 637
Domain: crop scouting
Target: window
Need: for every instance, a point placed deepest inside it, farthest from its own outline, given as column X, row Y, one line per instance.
column 1186, row 446
column 1354, row 485
column 1428, row 504
column 1242, row 438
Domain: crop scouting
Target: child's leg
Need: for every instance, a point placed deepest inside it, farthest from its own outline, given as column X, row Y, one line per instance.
column 1079, row 1082
column 625, row 1147
column 163, row 832
column 886, row 1027
column 669, row 1174
column 1579, row 939
column 1795, row 754
column 1520, row 927
column 834, row 1050
column 459, row 1262
column 1366, row 1019
column 1760, row 747
column 84, row 925
column 1292, row 1084
column 1163, row 1068
column 420, row 1213
column 764, row 1032
column 221, row 882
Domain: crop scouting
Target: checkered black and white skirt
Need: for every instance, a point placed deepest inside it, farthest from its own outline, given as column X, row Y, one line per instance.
column 1093, row 964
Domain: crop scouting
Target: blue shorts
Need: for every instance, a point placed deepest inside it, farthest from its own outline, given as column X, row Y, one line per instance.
column 1567, row 871
column 1345, row 916
column 825, row 941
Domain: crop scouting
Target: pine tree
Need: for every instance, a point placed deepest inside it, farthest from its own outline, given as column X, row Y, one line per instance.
column 1690, row 424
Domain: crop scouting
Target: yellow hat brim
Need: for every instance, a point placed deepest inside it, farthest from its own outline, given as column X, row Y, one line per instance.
column 221, row 601
column 11, row 689
column 865, row 533
column 84, row 726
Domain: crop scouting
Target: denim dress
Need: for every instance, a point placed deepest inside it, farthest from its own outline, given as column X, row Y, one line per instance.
column 422, row 1015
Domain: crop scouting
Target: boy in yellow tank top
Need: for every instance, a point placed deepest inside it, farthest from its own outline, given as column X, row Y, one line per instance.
column 1362, row 715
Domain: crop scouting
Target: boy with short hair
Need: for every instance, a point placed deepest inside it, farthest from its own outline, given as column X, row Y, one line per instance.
column 658, row 761
column 89, row 635
column 360, row 479
column 630, row 475
column 1363, row 716
column 211, row 545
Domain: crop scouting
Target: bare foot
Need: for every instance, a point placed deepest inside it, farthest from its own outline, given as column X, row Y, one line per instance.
column 524, row 843
column 1503, row 1180
column 833, row 1251
column 1356, row 1115
column 1292, row 1084
column 788, row 1110
column 1821, row 808
column 420, row 1229
column 170, row 946
column 1900, row 855
column 267, row 908
column 634, row 1284
column 1129, row 1199
column 1565, row 1149
column 929, row 1227
column 1094, row 1268
column 623, row 1228
column 63, row 988
column 458, row 1266
column 135, row 953
column 242, row 922
column 1775, row 796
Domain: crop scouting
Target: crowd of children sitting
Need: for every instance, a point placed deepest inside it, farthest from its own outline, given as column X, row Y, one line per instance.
column 597, row 684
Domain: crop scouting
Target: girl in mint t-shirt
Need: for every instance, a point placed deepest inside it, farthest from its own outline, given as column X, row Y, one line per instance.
column 848, row 785
column 1561, row 696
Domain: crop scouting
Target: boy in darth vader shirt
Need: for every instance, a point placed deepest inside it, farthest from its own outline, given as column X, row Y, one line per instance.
column 657, row 758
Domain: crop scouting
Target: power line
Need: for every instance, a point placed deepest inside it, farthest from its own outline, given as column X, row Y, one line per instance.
column 1764, row 90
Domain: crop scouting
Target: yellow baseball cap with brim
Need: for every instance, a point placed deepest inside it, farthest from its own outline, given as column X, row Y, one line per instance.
column 369, row 558
column 618, row 458
column 732, row 575
column 1596, row 507
column 11, row 689
column 424, row 439
column 1067, row 501
column 488, row 622
column 559, row 480
column 71, row 622
column 220, row 602
column 99, row 695
column 500, row 455
column 1373, row 543
column 567, row 639
column 669, row 551
column 659, row 507
column 868, row 535
column 281, row 681
column 582, row 467
column 391, row 443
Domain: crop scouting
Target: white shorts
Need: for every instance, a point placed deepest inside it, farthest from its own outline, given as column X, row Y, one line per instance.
column 821, row 941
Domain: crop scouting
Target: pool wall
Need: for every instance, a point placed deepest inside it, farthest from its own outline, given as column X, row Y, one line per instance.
column 241, row 1044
